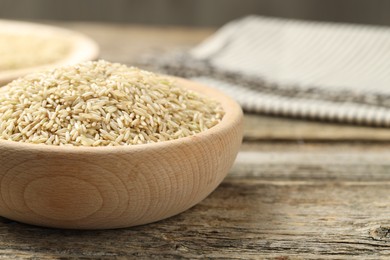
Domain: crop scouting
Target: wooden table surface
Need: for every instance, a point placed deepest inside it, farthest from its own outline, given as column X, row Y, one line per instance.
column 298, row 189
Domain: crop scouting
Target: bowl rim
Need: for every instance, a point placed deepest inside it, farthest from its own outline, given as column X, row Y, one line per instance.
column 233, row 115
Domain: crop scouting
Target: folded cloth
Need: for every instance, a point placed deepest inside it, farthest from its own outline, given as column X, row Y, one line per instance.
column 304, row 69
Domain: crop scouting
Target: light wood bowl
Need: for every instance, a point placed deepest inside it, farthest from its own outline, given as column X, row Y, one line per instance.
column 115, row 187
column 82, row 47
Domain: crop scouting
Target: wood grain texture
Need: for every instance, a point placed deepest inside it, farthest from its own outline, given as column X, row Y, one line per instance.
column 112, row 187
column 306, row 205
column 266, row 128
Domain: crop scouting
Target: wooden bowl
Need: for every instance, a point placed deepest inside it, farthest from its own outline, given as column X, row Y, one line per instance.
column 122, row 186
column 82, row 47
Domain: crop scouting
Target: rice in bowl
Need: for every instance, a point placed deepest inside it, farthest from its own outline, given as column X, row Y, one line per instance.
column 30, row 50
column 102, row 104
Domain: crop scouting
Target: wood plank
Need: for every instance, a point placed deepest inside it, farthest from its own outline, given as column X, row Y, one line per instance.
column 273, row 204
column 310, row 166
column 223, row 234
column 315, row 146
column 261, row 127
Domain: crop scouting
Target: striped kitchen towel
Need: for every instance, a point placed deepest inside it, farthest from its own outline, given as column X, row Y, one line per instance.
column 318, row 70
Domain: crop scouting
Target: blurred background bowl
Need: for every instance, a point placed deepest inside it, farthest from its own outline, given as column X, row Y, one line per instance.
column 81, row 47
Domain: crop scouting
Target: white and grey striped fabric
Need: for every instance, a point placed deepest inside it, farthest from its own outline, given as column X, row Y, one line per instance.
column 294, row 68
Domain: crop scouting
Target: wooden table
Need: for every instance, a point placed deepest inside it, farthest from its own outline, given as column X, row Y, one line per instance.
column 298, row 189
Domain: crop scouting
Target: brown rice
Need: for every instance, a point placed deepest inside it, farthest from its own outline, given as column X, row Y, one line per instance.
column 102, row 104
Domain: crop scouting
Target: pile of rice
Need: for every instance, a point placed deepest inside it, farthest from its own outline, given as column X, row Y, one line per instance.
column 22, row 51
column 102, row 104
